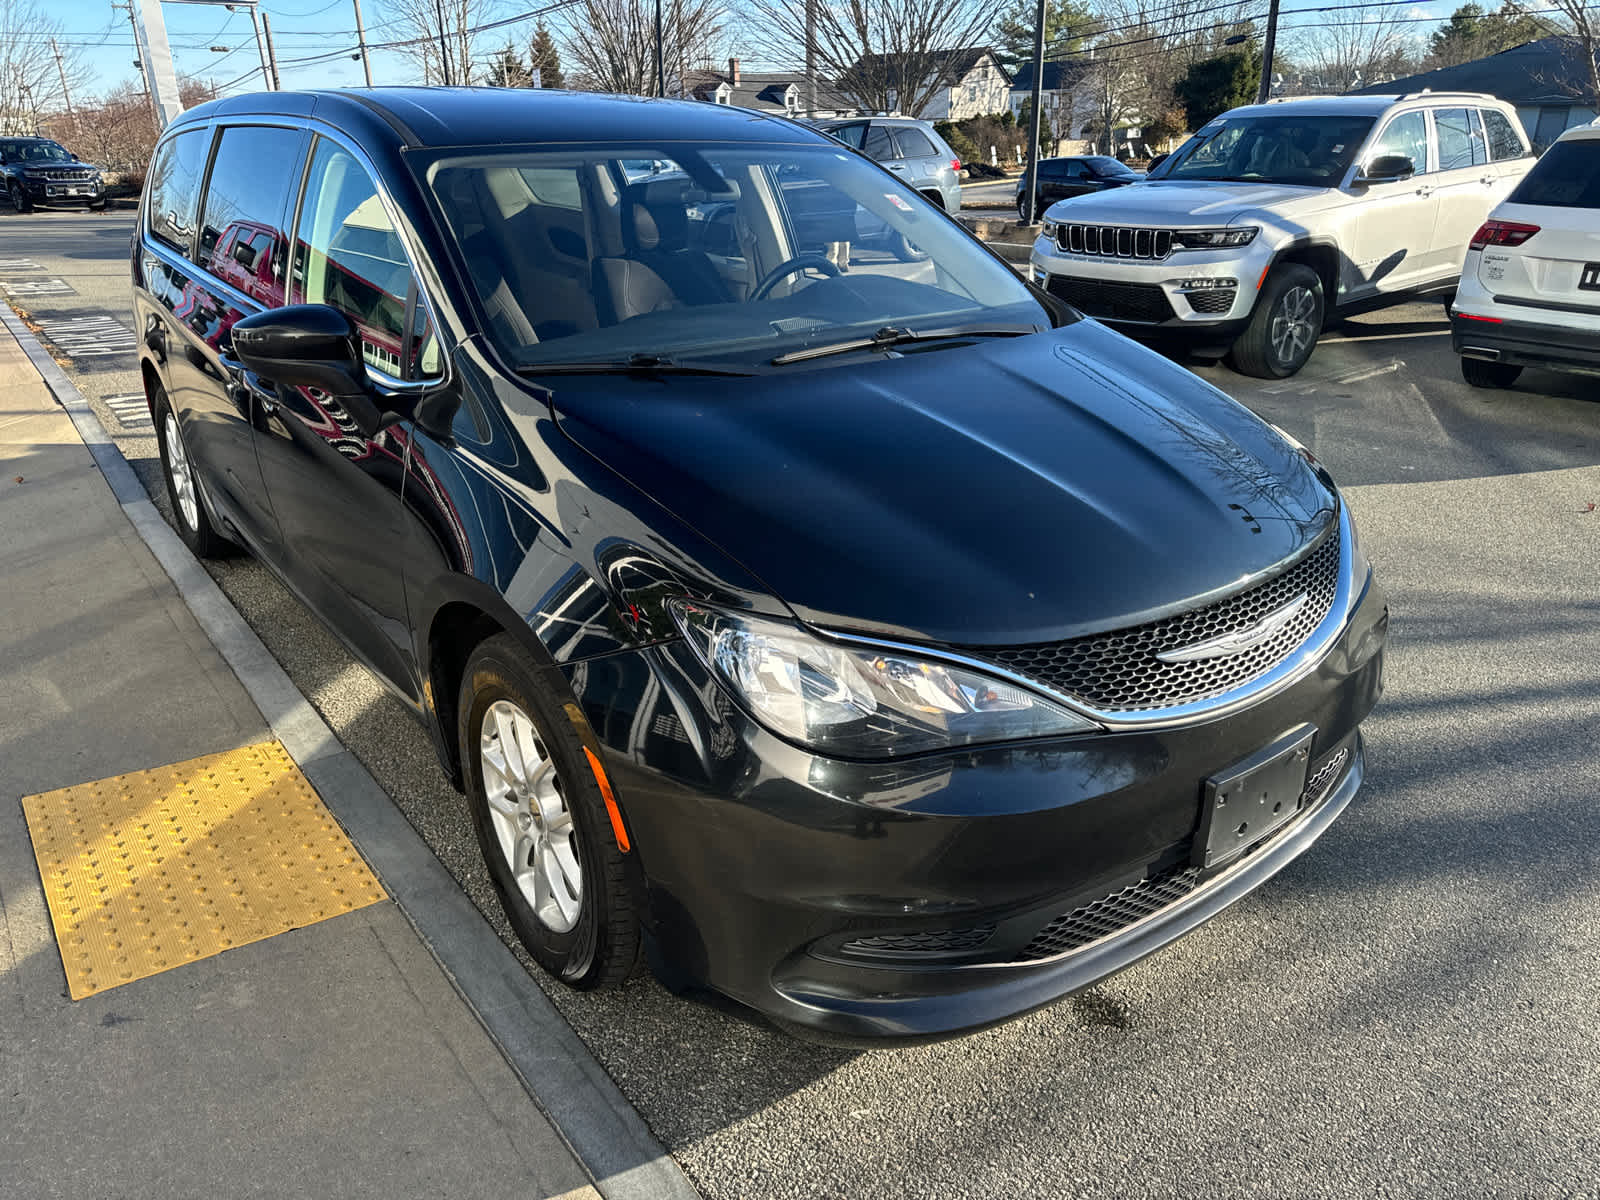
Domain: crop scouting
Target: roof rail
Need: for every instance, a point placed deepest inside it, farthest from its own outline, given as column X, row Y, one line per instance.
column 1429, row 92
column 1291, row 99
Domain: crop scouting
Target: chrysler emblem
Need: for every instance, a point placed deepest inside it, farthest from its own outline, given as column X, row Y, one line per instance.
column 1239, row 640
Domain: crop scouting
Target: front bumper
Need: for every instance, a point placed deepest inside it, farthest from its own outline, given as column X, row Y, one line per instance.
column 891, row 900
column 1156, row 295
column 51, row 191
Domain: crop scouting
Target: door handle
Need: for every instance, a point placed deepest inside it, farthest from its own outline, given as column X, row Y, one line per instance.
column 1487, row 179
column 1425, row 191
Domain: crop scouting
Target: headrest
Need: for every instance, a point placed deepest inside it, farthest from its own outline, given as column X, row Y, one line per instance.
column 658, row 213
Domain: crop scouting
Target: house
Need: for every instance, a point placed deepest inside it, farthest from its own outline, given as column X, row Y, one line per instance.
column 969, row 82
column 1546, row 80
column 1067, row 101
column 783, row 93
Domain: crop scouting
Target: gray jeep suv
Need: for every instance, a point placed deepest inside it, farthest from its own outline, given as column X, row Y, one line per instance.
column 908, row 147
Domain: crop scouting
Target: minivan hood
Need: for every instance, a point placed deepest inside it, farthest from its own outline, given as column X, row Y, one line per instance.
column 1164, row 204
column 1004, row 492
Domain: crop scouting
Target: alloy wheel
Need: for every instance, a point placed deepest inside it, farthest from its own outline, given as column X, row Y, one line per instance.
column 1293, row 324
column 17, row 200
column 532, row 822
column 182, row 475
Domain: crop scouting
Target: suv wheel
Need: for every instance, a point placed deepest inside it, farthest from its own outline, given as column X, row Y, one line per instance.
column 541, row 821
column 1284, row 327
column 19, row 199
column 1481, row 373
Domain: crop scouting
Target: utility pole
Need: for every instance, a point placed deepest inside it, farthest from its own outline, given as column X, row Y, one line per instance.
column 1265, row 90
column 361, row 40
column 66, row 94
column 661, row 82
column 1033, row 118
column 811, row 58
column 261, row 49
column 272, row 55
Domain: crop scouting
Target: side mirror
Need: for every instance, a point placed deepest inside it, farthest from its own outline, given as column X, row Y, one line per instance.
column 313, row 346
column 1389, row 168
column 1156, row 162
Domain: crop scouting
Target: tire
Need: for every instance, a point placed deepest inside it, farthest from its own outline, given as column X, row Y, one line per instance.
column 567, row 895
column 903, row 249
column 97, row 206
column 1483, row 374
column 189, row 514
column 1022, row 210
column 1284, row 326
column 19, row 199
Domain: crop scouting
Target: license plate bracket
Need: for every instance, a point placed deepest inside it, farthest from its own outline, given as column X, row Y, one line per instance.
column 1589, row 277
column 1253, row 799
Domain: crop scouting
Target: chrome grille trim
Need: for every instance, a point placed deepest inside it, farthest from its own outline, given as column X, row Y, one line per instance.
column 1114, row 241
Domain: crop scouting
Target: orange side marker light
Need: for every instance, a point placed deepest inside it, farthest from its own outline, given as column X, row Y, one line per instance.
column 610, row 798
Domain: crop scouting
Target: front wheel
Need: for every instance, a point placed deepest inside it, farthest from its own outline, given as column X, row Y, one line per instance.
column 183, row 487
column 544, row 826
column 1481, row 373
column 1284, row 326
column 19, row 199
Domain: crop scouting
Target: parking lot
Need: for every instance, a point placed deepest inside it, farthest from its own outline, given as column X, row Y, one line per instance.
column 1410, row 1009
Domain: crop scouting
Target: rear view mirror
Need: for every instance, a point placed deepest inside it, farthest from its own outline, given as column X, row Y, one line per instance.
column 1388, row 168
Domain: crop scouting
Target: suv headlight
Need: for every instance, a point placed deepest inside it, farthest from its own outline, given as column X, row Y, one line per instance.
column 1215, row 239
column 861, row 701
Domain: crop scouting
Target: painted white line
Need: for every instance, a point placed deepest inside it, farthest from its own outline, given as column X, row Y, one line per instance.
column 88, row 337
column 131, row 410
column 1383, row 337
column 38, row 287
column 19, row 264
column 1372, row 373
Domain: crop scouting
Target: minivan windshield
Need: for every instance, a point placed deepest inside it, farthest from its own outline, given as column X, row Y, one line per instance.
column 736, row 254
column 1312, row 151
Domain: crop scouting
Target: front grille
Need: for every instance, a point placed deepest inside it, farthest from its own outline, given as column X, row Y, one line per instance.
column 938, row 941
column 1211, row 300
column 62, row 176
column 1143, row 302
column 1118, row 671
column 1114, row 241
column 1114, row 913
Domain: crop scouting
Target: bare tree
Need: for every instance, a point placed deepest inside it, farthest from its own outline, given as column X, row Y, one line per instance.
column 611, row 44
column 884, row 54
column 443, row 46
column 1581, row 43
column 1361, row 46
column 30, row 84
column 117, row 131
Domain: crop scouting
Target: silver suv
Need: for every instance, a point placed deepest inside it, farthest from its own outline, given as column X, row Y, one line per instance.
column 1273, row 216
column 908, row 147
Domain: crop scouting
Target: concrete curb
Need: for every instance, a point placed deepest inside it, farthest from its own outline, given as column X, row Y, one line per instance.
column 606, row 1134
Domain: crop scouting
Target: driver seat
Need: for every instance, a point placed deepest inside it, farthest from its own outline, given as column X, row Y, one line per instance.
column 659, row 270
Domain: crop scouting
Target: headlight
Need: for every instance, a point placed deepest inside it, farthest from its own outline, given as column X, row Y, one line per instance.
column 860, row 701
column 1214, row 239
column 1050, row 229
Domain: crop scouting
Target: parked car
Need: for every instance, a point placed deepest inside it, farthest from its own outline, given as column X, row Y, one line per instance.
column 912, row 149
column 746, row 599
column 1063, row 178
column 1530, row 289
column 1274, row 217
column 37, row 171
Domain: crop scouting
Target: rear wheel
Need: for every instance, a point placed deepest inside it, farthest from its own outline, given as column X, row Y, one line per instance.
column 183, row 487
column 1481, row 373
column 542, row 822
column 1284, row 326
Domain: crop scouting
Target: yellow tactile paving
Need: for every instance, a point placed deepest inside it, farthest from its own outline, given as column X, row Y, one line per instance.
column 147, row 871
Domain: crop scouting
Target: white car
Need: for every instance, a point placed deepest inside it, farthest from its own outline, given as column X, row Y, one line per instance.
column 1275, row 215
column 1530, row 288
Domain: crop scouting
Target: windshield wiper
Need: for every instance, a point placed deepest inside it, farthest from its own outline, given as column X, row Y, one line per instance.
column 895, row 335
column 634, row 364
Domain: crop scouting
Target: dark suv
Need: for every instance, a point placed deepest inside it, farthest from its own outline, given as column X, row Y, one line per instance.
column 888, row 649
column 36, row 171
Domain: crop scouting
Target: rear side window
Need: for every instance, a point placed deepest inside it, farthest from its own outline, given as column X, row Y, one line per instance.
column 348, row 255
column 878, row 144
column 247, row 201
column 175, row 187
column 914, row 143
column 1460, row 138
column 1568, row 176
column 850, row 135
column 1503, row 140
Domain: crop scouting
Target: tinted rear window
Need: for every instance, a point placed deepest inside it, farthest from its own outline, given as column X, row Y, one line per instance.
column 1568, row 176
column 1503, row 140
column 914, row 143
column 175, row 185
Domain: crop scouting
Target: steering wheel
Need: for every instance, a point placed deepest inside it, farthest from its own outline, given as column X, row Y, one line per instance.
column 800, row 262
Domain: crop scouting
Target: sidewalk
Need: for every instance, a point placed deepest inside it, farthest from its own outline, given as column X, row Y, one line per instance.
column 335, row 1059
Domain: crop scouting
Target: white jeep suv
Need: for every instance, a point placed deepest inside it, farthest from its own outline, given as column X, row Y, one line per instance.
column 1273, row 216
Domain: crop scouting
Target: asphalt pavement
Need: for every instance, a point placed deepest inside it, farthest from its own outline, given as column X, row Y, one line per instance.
column 1411, row 1009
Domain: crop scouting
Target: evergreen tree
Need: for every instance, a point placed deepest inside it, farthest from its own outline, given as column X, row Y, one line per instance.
column 1214, row 85
column 1472, row 33
column 1067, row 27
column 545, row 58
column 507, row 70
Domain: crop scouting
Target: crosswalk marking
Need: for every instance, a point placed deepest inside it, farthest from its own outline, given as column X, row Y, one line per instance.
column 19, row 264
column 131, row 410
column 83, row 337
column 38, row 287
